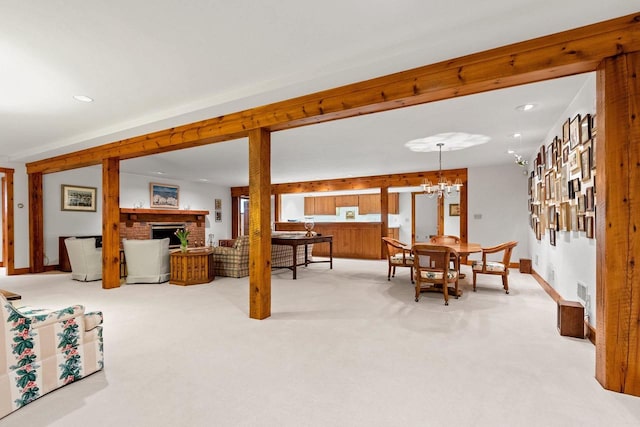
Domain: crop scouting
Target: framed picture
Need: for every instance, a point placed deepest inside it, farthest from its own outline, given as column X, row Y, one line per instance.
column 581, row 223
column 581, row 203
column 574, row 132
column 574, row 217
column 76, row 198
column 552, row 237
column 585, row 164
column 164, row 196
column 593, row 126
column 218, row 204
column 454, row 209
column 538, row 230
column 593, row 152
column 565, row 132
column 585, row 129
column 589, row 203
column 574, row 161
column 565, row 155
column 588, row 226
column 218, row 216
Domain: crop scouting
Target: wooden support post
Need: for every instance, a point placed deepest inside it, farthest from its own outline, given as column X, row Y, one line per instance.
column 617, row 220
column 36, row 224
column 384, row 218
column 8, row 223
column 235, row 217
column 259, row 224
column 110, row 223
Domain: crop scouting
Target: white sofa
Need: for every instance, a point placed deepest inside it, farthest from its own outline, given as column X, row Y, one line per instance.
column 147, row 260
column 85, row 259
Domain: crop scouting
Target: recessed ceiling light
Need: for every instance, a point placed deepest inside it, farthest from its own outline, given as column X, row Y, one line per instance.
column 82, row 98
column 510, row 151
column 203, row 180
column 451, row 140
column 159, row 173
column 517, row 135
column 525, row 107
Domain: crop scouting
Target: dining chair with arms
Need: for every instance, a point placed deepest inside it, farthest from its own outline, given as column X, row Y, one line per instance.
column 398, row 255
column 444, row 240
column 500, row 268
column 433, row 271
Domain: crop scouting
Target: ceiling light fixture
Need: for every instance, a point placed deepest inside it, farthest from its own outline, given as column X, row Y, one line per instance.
column 525, row 107
column 517, row 135
column 82, row 98
column 443, row 188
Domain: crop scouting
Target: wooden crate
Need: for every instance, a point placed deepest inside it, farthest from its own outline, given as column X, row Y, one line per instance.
column 570, row 319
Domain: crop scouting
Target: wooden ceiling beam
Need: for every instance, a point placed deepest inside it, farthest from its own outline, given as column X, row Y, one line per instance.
column 360, row 183
column 558, row 55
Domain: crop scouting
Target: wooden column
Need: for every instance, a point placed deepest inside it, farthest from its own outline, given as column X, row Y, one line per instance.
column 235, row 217
column 36, row 224
column 259, row 224
column 8, row 223
column 277, row 207
column 111, row 223
column 440, row 216
column 384, row 218
column 617, row 221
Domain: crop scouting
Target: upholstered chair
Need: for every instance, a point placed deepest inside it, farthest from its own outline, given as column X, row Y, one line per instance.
column 233, row 261
column 85, row 259
column 398, row 255
column 500, row 268
column 147, row 260
column 432, row 270
column 42, row 350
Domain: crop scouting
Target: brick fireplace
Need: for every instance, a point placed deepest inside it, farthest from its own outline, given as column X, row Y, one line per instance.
column 140, row 223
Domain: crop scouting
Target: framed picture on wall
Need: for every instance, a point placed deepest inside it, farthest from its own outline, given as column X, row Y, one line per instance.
column 218, row 204
column 588, row 226
column 164, row 196
column 565, row 131
column 454, row 209
column 76, row 198
column 585, row 128
column 218, row 216
column 552, row 237
column 574, row 132
column 585, row 164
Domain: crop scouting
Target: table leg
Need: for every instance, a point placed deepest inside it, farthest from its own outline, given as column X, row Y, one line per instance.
column 295, row 251
column 306, row 255
column 331, row 254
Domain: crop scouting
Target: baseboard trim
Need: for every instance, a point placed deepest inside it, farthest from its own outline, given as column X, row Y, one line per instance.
column 54, row 267
column 17, row 271
column 555, row 296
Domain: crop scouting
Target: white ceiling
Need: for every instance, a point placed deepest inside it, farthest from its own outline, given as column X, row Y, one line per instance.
column 153, row 65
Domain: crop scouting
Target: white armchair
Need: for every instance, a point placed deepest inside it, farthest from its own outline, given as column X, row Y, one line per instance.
column 85, row 259
column 147, row 260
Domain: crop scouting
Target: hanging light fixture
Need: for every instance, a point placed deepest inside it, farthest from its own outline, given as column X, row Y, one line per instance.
column 442, row 188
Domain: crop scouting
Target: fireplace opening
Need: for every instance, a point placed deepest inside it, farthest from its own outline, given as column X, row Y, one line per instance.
column 164, row 230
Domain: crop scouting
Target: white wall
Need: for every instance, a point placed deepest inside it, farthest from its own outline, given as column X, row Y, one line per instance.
column 573, row 259
column 451, row 223
column 497, row 211
column 133, row 188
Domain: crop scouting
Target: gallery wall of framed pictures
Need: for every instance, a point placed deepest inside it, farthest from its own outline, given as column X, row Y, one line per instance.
column 561, row 185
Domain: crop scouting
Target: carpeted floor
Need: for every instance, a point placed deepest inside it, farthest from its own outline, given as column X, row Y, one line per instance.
column 343, row 347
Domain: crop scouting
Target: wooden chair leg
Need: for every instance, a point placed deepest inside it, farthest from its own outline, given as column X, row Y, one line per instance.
column 417, row 292
column 474, row 280
column 505, row 283
column 411, row 272
column 445, row 291
column 389, row 273
column 394, row 271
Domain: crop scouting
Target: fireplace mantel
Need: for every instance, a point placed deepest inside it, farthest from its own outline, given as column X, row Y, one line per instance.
column 132, row 215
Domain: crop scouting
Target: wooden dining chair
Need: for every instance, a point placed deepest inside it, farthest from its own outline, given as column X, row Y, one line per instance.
column 398, row 255
column 432, row 270
column 500, row 268
column 446, row 240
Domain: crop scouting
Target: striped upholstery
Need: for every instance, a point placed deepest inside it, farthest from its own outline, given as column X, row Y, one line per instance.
column 437, row 275
column 44, row 350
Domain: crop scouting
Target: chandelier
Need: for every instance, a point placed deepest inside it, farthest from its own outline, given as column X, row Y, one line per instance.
column 442, row 188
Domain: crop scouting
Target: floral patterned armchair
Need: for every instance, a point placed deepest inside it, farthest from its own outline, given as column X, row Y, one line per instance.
column 43, row 350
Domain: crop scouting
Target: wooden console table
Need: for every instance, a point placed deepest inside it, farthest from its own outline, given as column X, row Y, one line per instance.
column 294, row 241
column 192, row 267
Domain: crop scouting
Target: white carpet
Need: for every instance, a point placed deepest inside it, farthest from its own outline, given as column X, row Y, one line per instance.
column 343, row 347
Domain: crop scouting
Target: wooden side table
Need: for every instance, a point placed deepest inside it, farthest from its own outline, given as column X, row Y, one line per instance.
column 570, row 319
column 192, row 267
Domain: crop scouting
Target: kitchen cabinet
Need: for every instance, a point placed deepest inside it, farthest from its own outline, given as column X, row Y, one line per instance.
column 369, row 204
column 347, row 201
column 309, row 206
column 325, row 205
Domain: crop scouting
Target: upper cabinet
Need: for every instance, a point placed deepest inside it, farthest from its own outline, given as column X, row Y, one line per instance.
column 367, row 204
column 325, row 205
column 370, row 204
column 347, row 201
column 309, row 205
